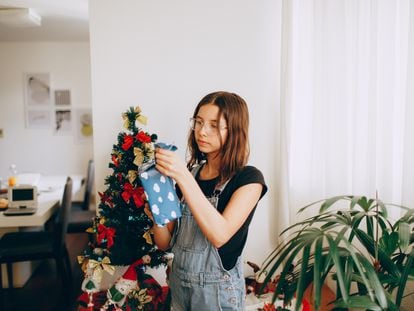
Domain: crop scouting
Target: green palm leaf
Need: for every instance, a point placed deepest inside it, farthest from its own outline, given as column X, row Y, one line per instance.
column 404, row 278
column 384, row 259
column 324, row 245
column 358, row 302
column 301, row 287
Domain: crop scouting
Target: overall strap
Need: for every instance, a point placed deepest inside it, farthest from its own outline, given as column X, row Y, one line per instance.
column 194, row 171
column 196, row 168
column 216, row 194
column 218, row 190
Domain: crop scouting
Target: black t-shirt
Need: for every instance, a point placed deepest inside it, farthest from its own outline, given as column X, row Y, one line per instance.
column 230, row 251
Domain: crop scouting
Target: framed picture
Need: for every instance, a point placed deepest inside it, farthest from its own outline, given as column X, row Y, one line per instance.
column 83, row 125
column 38, row 119
column 62, row 98
column 63, row 121
column 37, row 89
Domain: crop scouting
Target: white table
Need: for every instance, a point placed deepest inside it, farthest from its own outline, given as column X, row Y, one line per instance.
column 50, row 190
column 44, row 212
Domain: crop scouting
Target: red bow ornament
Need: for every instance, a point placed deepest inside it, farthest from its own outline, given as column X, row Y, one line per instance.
column 106, row 199
column 128, row 141
column 115, row 159
column 106, row 233
column 143, row 137
column 135, row 193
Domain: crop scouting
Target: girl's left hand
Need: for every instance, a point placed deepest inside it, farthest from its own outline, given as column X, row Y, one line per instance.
column 148, row 212
column 168, row 163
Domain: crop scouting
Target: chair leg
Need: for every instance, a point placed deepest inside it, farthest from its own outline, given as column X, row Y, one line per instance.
column 10, row 275
column 68, row 265
column 2, row 305
column 66, row 282
column 10, row 282
column 1, row 279
column 66, row 262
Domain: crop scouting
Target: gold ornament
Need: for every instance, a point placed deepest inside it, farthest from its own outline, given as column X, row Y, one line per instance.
column 132, row 175
column 142, row 296
column 147, row 237
column 83, row 262
column 126, row 121
column 142, row 119
column 149, row 150
column 139, row 156
column 98, row 267
column 137, row 109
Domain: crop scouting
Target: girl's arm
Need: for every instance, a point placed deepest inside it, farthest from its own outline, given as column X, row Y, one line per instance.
column 218, row 228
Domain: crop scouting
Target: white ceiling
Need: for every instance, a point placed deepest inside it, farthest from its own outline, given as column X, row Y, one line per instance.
column 62, row 20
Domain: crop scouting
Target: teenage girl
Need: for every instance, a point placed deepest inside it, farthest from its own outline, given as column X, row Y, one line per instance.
column 219, row 194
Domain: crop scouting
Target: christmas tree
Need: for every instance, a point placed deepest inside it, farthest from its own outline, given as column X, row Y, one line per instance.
column 121, row 234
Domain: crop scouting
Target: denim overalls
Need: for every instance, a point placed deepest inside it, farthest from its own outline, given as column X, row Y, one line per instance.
column 198, row 280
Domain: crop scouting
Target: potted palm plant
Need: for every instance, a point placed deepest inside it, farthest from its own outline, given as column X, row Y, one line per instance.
column 353, row 240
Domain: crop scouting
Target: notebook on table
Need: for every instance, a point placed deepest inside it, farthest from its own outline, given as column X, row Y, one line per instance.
column 16, row 211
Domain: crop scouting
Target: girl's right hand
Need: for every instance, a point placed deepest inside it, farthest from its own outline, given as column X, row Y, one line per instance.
column 168, row 163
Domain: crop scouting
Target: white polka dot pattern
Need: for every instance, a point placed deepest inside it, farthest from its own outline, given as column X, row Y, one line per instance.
column 155, row 210
column 161, row 195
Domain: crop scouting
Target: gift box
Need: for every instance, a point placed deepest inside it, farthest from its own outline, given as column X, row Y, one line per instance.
column 160, row 191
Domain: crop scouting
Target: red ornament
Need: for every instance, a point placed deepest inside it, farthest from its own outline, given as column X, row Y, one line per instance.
column 142, row 137
column 106, row 233
column 269, row 307
column 119, row 176
column 128, row 141
column 106, row 199
column 115, row 160
column 135, row 193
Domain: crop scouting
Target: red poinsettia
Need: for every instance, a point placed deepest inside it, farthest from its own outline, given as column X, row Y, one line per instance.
column 119, row 177
column 98, row 300
column 142, row 137
column 106, row 233
column 128, row 142
column 115, row 160
column 106, row 199
column 306, row 305
column 269, row 307
column 135, row 193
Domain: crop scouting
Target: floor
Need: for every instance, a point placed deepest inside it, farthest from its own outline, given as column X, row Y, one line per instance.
column 43, row 291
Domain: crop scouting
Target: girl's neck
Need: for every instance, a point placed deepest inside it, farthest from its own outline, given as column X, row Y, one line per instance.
column 210, row 170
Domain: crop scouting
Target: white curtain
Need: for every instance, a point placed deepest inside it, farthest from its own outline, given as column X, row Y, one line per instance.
column 347, row 101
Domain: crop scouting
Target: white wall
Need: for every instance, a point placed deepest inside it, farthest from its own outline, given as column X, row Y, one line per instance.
column 41, row 150
column 165, row 56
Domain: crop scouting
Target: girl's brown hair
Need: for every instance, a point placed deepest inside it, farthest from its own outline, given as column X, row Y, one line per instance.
column 235, row 151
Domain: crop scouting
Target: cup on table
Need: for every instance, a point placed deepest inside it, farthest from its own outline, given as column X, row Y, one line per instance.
column 12, row 181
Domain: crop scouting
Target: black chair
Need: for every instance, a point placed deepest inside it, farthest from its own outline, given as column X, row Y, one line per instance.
column 35, row 245
column 81, row 216
column 84, row 205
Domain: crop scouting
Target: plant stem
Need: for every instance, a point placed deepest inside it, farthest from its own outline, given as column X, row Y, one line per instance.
column 377, row 226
